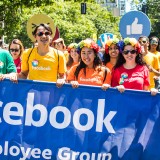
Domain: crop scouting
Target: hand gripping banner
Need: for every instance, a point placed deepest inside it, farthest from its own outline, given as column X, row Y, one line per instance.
column 40, row 121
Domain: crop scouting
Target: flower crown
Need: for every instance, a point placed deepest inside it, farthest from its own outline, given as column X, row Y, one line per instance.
column 112, row 41
column 71, row 46
column 90, row 44
column 116, row 41
column 133, row 42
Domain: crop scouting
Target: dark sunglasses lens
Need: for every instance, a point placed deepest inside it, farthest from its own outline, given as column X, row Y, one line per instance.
column 47, row 33
column 125, row 52
column 40, row 34
column 14, row 50
column 131, row 51
column 142, row 42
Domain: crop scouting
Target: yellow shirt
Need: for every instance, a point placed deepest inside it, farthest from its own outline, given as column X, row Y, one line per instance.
column 43, row 68
column 152, row 61
column 157, row 54
column 66, row 54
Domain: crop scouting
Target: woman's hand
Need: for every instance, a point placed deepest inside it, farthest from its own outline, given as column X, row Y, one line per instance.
column 105, row 86
column 154, row 91
column 13, row 77
column 60, row 82
column 120, row 88
column 74, row 84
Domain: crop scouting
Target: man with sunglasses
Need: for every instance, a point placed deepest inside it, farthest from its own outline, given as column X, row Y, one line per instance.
column 43, row 62
column 150, row 59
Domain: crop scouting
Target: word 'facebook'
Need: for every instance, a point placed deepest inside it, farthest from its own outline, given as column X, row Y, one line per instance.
column 14, row 111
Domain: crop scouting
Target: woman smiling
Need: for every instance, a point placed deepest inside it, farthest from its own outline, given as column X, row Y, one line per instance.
column 90, row 70
column 130, row 70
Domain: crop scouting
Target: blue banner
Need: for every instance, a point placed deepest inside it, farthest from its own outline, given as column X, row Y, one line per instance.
column 40, row 121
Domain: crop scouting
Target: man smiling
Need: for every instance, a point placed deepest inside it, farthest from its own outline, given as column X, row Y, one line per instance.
column 43, row 62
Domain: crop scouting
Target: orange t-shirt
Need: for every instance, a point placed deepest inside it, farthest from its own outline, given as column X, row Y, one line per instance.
column 92, row 77
column 110, row 66
column 68, row 68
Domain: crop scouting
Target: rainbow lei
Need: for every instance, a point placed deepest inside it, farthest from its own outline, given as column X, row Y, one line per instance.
column 89, row 44
column 71, row 46
column 134, row 43
column 109, row 42
column 115, row 41
column 131, row 41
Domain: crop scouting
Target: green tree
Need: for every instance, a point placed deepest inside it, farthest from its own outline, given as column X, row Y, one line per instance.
column 67, row 17
column 154, row 15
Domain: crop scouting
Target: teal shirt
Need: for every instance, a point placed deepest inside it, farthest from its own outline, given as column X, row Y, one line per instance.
column 6, row 62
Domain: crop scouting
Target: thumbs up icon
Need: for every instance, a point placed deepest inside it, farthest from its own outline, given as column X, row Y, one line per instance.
column 134, row 28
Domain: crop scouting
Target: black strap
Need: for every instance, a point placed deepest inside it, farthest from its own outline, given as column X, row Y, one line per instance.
column 58, row 60
column 29, row 57
column 105, row 74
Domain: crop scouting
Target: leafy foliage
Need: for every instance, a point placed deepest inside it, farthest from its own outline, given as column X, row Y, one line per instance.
column 73, row 26
column 154, row 15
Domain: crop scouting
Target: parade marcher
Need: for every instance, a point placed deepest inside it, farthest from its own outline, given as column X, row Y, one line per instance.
column 154, row 46
column 150, row 59
column 60, row 45
column 112, row 50
column 7, row 66
column 130, row 70
column 16, row 49
column 74, row 56
column 90, row 70
column 43, row 62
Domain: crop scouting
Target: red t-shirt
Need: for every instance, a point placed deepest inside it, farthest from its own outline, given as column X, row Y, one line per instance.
column 17, row 62
column 135, row 78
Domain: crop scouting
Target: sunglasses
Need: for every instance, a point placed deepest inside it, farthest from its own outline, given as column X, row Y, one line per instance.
column 58, row 44
column 43, row 33
column 142, row 42
column 14, row 50
column 129, row 51
column 154, row 42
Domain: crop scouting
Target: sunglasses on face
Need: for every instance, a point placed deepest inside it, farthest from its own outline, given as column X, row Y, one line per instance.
column 58, row 44
column 154, row 42
column 142, row 42
column 14, row 50
column 129, row 51
column 43, row 33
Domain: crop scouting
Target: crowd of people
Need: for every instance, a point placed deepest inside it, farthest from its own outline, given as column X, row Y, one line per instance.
column 125, row 64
